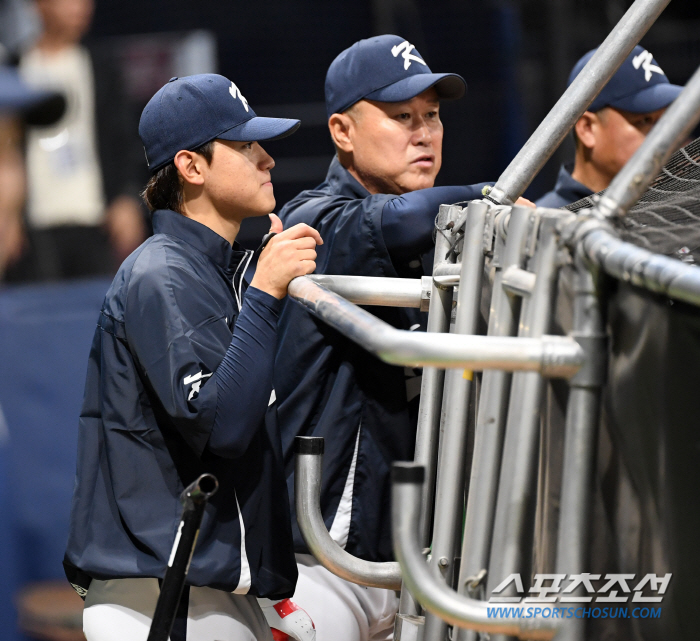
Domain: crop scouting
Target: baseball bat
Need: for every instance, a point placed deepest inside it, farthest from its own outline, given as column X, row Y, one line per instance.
column 194, row 499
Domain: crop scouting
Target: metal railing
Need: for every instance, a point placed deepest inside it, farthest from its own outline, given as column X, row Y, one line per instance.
column 553, row 356
column 434, row 595
column 526, row 249
column 307, row 473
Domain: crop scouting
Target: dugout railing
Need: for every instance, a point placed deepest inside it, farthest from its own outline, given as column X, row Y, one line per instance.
column 524, row 251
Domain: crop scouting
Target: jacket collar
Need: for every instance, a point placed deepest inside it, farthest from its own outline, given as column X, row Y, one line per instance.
column 199, row 236
column 343, row 183
column 568, row 187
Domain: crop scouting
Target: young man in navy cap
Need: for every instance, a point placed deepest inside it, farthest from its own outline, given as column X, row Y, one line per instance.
column 180, row 383
column 376, row 213
column 613, row 127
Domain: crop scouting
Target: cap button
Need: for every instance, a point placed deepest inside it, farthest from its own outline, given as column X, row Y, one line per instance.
column 173, row 79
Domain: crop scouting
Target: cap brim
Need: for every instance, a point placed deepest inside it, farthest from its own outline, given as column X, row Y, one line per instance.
column 38, row 107
column 650, row 99
column 449, row 86
column 259, row 128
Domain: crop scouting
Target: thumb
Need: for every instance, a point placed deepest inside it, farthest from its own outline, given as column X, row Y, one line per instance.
column 276, row 225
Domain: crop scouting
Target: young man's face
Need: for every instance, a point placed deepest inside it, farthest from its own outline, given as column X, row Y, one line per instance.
column 618, row 135
column 397, row 146
column 238, row 180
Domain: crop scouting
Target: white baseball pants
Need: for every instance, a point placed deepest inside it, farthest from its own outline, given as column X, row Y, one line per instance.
column 122, row 609
column 340, row 610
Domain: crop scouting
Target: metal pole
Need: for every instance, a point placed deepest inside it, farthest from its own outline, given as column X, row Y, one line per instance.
column 428, row 425
column 665, row 138
column 582, row 414
column 627, row 262
column 373, row 290
column 194, row 499
column 517, row 481
column 569, row 108
column 432, row 384
column 308, row 461
column 554, row 356
column 431, row 592
column 449, row 498
column 490, row 423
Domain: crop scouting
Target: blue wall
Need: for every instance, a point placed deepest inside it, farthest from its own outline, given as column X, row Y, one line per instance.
column 45, row 336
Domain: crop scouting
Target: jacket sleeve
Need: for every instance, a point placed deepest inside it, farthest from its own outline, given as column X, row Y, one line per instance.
column 408, row 220
column 202, row 376
column 372, row 236
column 351, row 228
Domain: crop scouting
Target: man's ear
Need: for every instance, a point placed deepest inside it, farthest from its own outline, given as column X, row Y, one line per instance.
column 189, row 164
column 586, row 128
column 340, row 127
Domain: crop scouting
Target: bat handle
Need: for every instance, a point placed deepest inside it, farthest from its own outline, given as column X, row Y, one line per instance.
column 194, row 499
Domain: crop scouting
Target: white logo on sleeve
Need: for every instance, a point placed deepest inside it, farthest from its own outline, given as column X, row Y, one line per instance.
column 408, row 57
column 644, row 61
column 196, row 381
column 236, row 93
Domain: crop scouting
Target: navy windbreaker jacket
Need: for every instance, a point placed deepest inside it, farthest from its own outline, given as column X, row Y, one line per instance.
column 150, row 406
column 566, row 191
column 328, row 386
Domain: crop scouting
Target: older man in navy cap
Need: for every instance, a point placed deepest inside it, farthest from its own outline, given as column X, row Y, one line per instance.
column 613, row 127
column 376, row 213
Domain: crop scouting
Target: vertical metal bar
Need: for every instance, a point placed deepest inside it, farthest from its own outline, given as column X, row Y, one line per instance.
column 488, row 439
column 517, row 481
column 580, row 439
column 430, row 399
column 449, row 497
column 433, row 380
column 568, row 109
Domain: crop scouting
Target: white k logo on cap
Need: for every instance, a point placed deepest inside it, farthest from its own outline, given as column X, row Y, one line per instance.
column 408, row 57
column 644, row 61
column 236, row 93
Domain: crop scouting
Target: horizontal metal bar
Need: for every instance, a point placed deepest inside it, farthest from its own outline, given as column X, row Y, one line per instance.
column 575, row 100
column 518, row 281
column 447, row 274
column 307, row 497
column 553, row 356
column 434, row 595
column 447, row 269
column 657, row 273
column 663, row 140
column 369, row 290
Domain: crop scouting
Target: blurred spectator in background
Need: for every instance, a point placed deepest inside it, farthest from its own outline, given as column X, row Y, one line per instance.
column 83, row 216
column 18, row 104
column 614, row 126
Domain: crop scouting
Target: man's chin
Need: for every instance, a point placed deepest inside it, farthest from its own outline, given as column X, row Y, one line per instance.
column 414, row 183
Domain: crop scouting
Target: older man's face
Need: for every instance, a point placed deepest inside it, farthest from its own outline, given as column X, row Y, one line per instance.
column 618, row 136
column 397, row 146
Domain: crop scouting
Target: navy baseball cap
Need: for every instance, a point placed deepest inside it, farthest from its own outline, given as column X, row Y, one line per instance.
column 189, row 112
column 384, row 68
column 37, row 107
column 639, row 85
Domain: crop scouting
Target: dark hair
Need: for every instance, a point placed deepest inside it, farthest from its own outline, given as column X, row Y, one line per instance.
column 164, row 189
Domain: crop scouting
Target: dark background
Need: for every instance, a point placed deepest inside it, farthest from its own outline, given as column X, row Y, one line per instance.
column 515, row 57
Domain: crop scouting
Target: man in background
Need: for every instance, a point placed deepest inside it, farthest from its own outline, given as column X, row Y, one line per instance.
column 82, row 213
column 19, row 105
column 614, row 126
